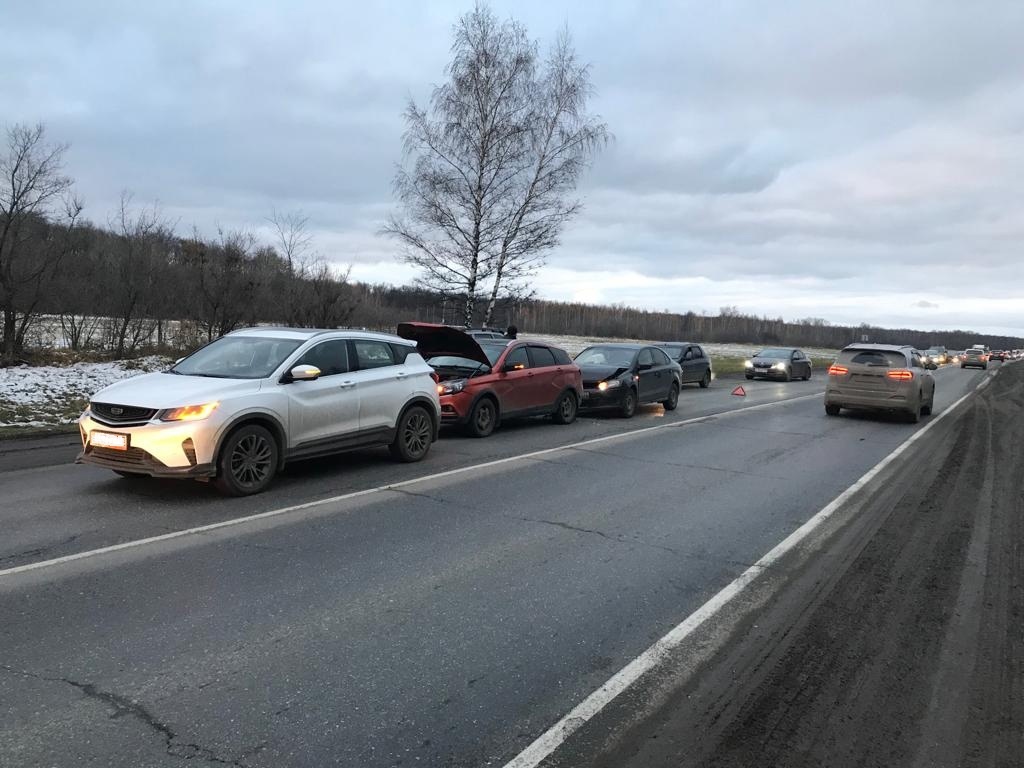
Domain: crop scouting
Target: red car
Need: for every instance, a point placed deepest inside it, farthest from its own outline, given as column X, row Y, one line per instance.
column 482, row 381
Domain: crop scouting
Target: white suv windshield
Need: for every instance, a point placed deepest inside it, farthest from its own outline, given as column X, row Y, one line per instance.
column 238, row 357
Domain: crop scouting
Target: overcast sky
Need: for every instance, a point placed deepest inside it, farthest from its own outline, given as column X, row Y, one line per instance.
column 861, row 162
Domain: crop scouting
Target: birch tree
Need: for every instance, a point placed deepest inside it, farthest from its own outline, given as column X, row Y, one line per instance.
column 489, row 162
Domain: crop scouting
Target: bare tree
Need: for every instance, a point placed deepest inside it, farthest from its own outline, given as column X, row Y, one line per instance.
column 462, row 155
column 561, row 140
column 294, row 241
column 32, row 189
column 139, row 252
column 489, row 164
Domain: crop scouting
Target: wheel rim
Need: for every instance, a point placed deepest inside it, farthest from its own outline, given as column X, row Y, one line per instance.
column 251, row 460
column 630, row 402
column 707, row 378
column 416, row 433
column 673, row 396
column 484, row 417
column 568, row 406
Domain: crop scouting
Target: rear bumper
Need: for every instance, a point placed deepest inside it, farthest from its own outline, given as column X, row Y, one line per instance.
column 865, row 401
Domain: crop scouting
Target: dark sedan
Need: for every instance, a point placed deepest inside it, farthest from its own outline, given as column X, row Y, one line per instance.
column 622, row 376
column 784, row 363
column 692, row 359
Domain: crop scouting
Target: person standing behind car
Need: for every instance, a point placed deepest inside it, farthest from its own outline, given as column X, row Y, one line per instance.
column 511, row 332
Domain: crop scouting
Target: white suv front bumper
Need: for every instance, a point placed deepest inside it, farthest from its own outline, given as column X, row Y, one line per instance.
column 160, row 449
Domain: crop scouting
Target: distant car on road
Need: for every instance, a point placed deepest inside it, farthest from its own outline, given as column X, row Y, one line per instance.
column 237, row 409
column 784, row 363
column 938, row 355
column 483, row 380
column 622, row 376
column 692, row 359
column 880, row 377
column 998, row 354
column 974, row 358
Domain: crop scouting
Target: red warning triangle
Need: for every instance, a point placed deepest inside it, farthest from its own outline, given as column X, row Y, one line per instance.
column 740, row 392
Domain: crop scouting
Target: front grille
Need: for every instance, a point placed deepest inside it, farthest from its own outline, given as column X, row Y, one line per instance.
column 110, row 413
column 135, row 457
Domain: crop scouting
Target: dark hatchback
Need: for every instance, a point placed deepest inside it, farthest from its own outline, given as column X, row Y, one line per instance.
column 623, row 376
column 692, row 359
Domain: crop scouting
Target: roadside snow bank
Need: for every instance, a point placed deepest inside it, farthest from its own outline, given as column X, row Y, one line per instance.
column 48, row 395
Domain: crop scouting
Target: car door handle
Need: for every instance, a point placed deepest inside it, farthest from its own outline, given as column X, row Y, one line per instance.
column 401, row 375
column 347, row 384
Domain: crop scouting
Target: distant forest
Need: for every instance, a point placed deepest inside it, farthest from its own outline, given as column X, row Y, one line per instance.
column 141, row 288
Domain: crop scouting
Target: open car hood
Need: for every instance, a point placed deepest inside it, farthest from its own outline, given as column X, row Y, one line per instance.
column 432, row 340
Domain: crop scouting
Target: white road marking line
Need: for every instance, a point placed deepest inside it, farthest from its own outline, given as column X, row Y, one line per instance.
column 381, row 488
column 556, row 735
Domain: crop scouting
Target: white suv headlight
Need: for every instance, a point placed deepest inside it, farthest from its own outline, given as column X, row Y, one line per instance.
column 188, row 412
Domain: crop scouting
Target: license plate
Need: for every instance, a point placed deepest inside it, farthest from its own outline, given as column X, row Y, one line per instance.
column 109, row 440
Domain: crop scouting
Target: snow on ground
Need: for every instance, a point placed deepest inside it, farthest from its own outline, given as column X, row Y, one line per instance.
column 48, row 395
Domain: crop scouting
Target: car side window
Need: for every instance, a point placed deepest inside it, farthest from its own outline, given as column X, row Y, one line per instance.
column 400, row 352
column 373, row 354
column 518, row 358
column 561, row 356
column 541, row 357
column 645, row 357
column 660, row 358
column 331, row 357
column 915, row 361
column 688, row 355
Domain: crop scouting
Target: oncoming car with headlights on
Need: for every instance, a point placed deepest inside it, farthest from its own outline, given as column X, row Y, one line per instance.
column 623, row 376
column 783, row 363
column 237, row 409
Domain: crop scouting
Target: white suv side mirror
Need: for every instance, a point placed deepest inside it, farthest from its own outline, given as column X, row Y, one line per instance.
column 305, row 373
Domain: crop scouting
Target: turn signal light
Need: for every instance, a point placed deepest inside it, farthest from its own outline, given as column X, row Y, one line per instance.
column 901, row 375
column 838, row 370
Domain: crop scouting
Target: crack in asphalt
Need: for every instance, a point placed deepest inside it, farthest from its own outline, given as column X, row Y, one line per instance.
column 595, row 532
column 678, row 464
column 42, row 551
column 421, row 495
column 125, row 707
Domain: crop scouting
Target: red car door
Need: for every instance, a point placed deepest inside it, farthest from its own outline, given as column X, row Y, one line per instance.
column 549, row 378
column 514, row 380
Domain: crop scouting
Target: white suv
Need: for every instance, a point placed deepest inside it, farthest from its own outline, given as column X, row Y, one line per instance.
column 237, row 409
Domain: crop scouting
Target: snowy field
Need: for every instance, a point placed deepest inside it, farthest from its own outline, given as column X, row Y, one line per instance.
column 46, row 396
column 49, row 395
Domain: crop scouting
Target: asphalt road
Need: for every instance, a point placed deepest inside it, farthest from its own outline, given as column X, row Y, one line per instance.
column 446, row 623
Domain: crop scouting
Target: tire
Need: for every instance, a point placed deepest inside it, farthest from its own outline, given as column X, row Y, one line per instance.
column 129, row 475
column 808, row 376
column 483, row 419
column 926, row 410
column 705, row 382
column 673, row 398
column 628, row 404
column 788, row 375
column 914, row 416
column 832, row 410
column 962, row 367
column 247, row 462
column 413, row 435
column 750, row 377
column 566, row 408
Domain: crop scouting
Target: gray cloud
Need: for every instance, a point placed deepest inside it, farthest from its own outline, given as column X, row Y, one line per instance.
column 805, row 159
